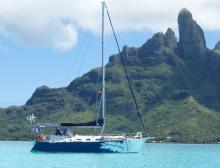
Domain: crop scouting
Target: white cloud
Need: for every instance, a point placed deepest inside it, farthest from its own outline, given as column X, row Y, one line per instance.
column 55, row 23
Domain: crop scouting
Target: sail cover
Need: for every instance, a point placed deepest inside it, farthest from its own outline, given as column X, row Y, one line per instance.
column 99, row 122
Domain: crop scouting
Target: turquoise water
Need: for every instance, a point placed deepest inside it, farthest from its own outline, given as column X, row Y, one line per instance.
column 18, row 155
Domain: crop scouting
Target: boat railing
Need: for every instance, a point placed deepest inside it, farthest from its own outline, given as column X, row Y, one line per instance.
column 105, row 136
column 137, row 135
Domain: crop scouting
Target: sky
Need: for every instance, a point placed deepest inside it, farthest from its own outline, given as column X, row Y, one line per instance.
column 51, row 42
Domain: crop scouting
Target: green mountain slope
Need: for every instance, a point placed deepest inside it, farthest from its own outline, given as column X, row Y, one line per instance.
column 176, row 84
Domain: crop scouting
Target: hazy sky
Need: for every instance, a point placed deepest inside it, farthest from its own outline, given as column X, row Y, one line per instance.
column 50, row 42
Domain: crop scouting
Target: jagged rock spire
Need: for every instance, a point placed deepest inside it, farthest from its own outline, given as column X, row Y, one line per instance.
column 217, row 47
column 158, row 41
column 153, row 45
column 170, row 39
column 192, row 42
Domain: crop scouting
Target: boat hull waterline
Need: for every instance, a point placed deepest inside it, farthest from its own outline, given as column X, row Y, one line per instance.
column 120, row 146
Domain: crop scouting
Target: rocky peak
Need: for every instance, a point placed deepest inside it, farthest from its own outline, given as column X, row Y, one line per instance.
column 170, row 39
column 41, row 91
column 159, row 40
column 192, row 42
column 153, row 45
column 217, row 47
column 129, row 51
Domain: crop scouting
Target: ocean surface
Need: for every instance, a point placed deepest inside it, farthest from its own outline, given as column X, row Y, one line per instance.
column 18, row 155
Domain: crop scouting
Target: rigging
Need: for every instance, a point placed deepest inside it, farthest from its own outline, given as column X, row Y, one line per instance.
column 125, row 69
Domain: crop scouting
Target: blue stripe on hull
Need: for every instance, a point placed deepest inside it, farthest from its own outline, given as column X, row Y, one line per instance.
column 85, row 147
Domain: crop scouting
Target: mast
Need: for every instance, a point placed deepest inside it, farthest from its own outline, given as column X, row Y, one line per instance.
column 103, row 69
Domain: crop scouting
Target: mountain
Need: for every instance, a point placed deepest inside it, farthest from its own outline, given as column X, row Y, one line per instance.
column 217, row 48
column 176, row 84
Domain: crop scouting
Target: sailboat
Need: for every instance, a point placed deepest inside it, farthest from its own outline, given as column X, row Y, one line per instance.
column 64, row 141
